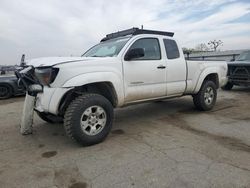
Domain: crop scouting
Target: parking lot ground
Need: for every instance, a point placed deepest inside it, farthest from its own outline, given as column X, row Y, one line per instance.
column 160, row 144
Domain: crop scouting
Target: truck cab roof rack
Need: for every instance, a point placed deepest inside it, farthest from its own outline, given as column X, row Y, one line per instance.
column 135, row 31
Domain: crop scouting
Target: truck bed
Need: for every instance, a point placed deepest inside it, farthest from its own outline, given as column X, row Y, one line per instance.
column 196, row 69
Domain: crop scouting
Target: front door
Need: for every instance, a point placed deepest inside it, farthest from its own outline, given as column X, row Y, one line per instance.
column 145, row 77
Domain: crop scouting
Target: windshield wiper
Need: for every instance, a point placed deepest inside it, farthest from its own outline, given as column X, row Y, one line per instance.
column 96, row 56
column 102, row 56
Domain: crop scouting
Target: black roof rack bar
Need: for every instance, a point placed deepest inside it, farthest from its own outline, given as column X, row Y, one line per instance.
column 119, row 34
column 143, row 31
column 135, row 31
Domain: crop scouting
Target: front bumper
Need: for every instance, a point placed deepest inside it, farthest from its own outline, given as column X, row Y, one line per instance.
column 240, row 82
column 243, row 80
column 49, row 100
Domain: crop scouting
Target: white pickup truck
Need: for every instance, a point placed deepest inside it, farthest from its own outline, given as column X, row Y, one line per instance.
column 125, row 68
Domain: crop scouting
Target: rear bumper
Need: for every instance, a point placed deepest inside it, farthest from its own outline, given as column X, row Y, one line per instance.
column 49, row 100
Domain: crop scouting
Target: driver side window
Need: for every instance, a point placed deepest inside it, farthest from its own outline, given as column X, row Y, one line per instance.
column 151, row 48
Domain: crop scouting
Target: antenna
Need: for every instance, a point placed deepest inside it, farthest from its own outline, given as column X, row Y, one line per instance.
column 141, row 26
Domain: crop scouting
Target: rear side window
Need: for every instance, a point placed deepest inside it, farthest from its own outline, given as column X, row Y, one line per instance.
column 171, row 49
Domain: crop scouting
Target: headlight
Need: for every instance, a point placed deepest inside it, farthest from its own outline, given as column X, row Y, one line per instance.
column 46, row 75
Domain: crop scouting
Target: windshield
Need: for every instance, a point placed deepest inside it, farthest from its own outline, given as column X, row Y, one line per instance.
column 109, row 48
column 245, row 56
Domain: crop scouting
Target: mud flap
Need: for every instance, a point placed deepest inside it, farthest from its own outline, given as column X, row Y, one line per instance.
column 27, row 116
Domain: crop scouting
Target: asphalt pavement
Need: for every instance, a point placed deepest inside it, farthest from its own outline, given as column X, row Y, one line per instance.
column 159, row 144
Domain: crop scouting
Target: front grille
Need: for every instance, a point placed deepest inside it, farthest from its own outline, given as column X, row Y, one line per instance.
column 239, row 73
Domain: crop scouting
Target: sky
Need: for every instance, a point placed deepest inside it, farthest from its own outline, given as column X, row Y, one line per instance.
column 41, row 28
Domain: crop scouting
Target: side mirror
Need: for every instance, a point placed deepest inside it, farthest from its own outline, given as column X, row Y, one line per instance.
column 134, row 53
column 231, row 60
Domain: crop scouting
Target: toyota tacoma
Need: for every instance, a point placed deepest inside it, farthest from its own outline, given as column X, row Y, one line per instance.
column 125, row 68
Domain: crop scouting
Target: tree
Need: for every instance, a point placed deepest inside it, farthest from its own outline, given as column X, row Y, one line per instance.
column 214, row 44
column 201, row 47
column 187, row 50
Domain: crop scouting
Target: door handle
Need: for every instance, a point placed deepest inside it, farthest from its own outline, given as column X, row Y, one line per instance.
column 161, row 67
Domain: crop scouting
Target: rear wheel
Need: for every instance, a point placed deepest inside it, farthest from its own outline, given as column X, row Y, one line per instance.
column 205, row 99
column 88, row 119
column 50, row 118
column 228, row 86
column 5, row 91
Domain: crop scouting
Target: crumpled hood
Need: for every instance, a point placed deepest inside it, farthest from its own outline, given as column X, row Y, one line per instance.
column 51, row 61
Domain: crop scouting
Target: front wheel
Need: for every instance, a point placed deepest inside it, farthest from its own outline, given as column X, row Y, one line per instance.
column 88, row 119
column 205, row 99
column 5, row 91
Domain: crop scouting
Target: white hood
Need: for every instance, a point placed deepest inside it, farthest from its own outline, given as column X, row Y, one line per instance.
column 51, row 61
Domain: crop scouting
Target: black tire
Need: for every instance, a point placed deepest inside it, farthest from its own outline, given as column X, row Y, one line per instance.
column 6, row 91
column 228, row 86
column 75, row 113
column 199, row 99
column 50, row 118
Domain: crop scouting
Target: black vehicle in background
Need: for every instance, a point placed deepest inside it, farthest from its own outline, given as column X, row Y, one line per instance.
column 239, row 71
column 9, row 87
